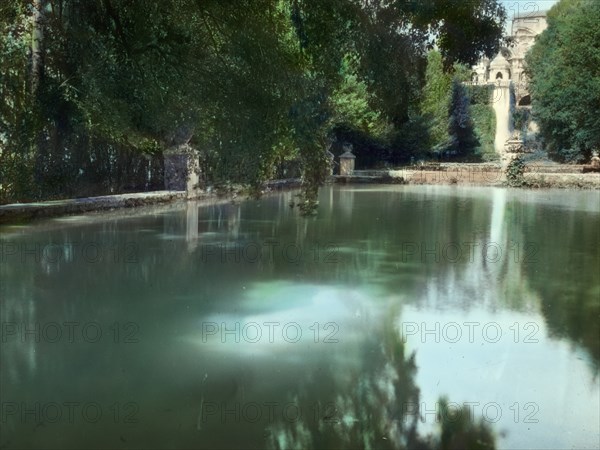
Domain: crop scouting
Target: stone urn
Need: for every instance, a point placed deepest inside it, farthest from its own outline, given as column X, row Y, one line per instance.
column 347, row 161
column 594, row 165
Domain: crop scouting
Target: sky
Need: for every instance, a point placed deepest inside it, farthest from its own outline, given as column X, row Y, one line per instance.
column 524, row 7
column 527, row 6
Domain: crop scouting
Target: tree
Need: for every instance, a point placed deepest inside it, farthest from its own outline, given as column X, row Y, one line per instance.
column 462, row 31
column 460, row 119
column 463, row 141
column 564, row 68
column 96, row 91
column 126, row 78
column 16, row 109
column 351, row 104
column 436, row 101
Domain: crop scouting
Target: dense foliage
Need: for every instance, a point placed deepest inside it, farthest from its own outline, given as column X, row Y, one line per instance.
column 515, row 172
column 95, row 92
column 564, row 66
column 484, row 120
column 436, row 101
column 460, row 120
column 463, row 141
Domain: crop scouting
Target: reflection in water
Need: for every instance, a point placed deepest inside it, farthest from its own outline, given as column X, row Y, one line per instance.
column 191, row 228
column 497, row 220
column 374, row 405
column 19, row 362
column 371, row 257
column 568, row 280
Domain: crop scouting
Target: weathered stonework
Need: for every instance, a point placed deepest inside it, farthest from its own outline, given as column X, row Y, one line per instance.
column 514, row 145
column 506, row 72
column 509, row 64
column 513, row 148
column 182, row 170
column 175, row 172
column 594, row 165
column 331, row 158
column 347, row 162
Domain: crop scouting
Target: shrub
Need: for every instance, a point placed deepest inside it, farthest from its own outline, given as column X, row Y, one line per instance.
column 515, row 171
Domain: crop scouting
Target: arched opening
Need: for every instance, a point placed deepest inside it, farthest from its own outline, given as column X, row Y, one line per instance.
column 499, row 76
column 525, row 100
column 474, row 77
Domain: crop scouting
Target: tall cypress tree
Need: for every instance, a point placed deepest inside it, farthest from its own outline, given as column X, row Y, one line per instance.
column 464, row 142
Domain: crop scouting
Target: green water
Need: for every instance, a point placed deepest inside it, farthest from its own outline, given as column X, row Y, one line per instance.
column 246, row 326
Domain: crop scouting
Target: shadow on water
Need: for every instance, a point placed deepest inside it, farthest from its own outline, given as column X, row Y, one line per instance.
column 172, row 271
column 568, row 282
column 375, row 405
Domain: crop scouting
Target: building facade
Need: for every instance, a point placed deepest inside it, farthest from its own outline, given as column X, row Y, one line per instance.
column 509, row 64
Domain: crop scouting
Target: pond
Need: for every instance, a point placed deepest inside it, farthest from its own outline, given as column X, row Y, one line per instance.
column 245, row 326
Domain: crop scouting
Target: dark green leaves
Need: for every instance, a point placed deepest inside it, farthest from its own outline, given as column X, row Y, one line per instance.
column 564, row 66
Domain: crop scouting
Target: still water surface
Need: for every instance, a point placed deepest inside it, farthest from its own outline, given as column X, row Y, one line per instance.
column 245, row 326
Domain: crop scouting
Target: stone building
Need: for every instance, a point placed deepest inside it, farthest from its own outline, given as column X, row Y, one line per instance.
column 506, row 72
column 509, row 64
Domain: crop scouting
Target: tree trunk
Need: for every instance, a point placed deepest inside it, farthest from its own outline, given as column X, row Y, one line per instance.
column 37, row 48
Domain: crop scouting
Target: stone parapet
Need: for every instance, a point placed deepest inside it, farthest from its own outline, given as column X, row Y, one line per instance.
column 182, row 170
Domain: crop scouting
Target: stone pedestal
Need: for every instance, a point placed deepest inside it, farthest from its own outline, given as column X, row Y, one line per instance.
column 347, row 162
column 594, row 165
column 514, row 145
column 513, row 148
column 182, row 170
column 331, row 158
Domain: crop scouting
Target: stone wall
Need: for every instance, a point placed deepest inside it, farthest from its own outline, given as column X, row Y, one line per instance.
column 176, row 168
column 182, row 170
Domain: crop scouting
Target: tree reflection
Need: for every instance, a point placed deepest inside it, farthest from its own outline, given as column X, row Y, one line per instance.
column 179, row 277
column 376, row 405
column 570, row 302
